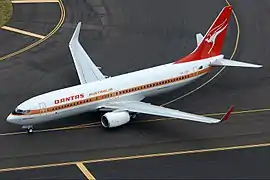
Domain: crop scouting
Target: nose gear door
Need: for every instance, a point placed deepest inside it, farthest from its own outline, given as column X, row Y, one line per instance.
column 42, row 108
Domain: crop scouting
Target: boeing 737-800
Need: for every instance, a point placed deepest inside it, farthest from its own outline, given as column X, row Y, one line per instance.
column 120, row 97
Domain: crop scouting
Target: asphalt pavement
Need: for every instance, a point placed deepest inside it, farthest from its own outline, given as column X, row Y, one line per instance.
column 122, row 36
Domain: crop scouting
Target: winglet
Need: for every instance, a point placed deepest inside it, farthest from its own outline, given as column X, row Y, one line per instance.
column 86, row 69
column 227, row 115
column 76, row 33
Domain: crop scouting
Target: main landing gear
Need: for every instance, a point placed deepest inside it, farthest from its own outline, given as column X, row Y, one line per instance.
column 133, row 115
column 29, row 129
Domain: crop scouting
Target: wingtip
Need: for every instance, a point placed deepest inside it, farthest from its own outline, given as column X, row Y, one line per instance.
column 78, row 27
column 256, row 66
column 227, row 115
column 79, row 24
column 75, row 36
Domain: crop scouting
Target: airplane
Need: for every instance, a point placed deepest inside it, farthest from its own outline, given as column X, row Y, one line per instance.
column 119, row 98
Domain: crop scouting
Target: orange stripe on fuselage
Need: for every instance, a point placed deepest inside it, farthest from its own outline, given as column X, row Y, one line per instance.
column 122, row 92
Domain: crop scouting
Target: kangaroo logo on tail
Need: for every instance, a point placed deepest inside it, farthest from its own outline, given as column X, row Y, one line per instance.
column 213, row 40
column 212, row 35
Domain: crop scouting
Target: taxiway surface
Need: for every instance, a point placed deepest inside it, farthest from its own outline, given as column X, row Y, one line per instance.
column 230, row 164
column 126, row 36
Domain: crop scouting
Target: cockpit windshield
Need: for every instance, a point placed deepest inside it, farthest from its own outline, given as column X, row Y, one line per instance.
column 20, row 112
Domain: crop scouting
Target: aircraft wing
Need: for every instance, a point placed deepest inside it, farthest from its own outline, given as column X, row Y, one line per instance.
column 147, row 108
column 86, row 69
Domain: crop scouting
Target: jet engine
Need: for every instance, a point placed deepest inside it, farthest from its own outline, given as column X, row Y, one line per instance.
column 114, row 119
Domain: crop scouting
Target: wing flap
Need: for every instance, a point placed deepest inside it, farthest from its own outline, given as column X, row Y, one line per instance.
column 86, row 69
column 147, row 108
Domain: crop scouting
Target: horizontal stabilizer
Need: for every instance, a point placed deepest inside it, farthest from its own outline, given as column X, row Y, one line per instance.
column 199, row 38
column 227, row 62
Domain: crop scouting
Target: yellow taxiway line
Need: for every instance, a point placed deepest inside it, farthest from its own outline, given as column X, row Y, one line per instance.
column 85, row 171
column 34, row 1
column 79, row 163
column 56, row 28
column 22, row 32
column 195, row 151
column 97, row 124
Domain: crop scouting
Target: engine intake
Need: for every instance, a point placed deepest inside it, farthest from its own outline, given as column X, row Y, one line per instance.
column 115, row 119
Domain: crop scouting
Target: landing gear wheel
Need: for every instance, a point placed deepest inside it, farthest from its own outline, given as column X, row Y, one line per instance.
column 133, row 115
column 30, row 130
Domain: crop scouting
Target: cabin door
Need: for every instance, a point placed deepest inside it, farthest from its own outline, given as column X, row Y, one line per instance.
column 42, row 108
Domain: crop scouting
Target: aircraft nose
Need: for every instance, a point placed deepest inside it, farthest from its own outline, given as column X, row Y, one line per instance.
column 10, row 118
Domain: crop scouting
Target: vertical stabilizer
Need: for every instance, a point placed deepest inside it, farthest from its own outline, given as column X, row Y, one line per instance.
column 212, row 43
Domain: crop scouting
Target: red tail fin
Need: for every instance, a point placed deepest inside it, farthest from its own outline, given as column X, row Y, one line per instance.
column 212, row 42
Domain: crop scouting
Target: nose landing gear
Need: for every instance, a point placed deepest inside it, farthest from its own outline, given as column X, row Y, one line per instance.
column 29, row 129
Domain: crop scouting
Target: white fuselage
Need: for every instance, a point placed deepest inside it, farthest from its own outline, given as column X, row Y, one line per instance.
column 88, row 97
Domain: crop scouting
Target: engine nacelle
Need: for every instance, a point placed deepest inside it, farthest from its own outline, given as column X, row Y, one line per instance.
column 114, row 119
